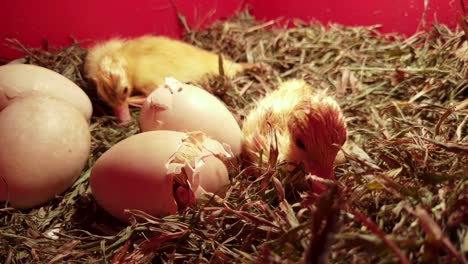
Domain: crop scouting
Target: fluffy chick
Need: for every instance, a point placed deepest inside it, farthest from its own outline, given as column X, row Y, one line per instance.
column 309, row 127
column 121, row 68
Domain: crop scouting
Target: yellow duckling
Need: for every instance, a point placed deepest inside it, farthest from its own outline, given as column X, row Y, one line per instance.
column 309, row 127
column 121, row 68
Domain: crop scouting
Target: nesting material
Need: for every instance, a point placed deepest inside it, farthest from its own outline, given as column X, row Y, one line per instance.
column 400, row 196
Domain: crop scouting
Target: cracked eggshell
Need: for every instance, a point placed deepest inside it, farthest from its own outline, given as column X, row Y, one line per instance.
column 182, row 107
column 213, row 178
column 132, row 175
column 21, row 80
column 45, row 143
column 135, row 174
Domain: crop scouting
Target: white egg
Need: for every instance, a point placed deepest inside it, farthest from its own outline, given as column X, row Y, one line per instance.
column 45, row 143
column 21, row 80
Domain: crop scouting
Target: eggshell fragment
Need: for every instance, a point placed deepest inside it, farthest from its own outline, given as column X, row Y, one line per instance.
column 45, row 144
column 21, row 80
column 182, row 107
column 214, row 178
column 145, row 171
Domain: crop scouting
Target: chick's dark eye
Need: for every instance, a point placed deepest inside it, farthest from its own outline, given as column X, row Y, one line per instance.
column 125, row 90
column 300, row 144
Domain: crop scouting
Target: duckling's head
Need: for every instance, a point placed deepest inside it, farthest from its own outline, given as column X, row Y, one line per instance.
column 317, row 130
column 108, row 69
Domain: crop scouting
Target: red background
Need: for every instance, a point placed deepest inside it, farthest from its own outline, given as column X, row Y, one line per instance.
column 32, row 21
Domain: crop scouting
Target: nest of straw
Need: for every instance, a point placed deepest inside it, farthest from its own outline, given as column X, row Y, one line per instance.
column 401, row 195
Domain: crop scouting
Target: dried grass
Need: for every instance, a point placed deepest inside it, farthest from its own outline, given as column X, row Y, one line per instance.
column 401, row 195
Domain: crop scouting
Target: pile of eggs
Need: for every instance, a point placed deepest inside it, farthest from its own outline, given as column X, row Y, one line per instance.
column 44, row 134
column 188, row 139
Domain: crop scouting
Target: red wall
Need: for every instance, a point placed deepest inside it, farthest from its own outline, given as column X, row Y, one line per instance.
column 402, row 16
column 31, row 21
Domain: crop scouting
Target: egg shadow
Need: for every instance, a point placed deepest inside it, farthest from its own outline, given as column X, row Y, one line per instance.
column 91, row 217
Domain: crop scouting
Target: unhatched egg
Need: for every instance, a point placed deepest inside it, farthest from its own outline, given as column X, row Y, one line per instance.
column 21, row 80
column 155, row 172
column 45, row 143
column 182, row 107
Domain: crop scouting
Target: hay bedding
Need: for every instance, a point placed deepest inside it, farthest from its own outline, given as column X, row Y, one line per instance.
column 401, row 196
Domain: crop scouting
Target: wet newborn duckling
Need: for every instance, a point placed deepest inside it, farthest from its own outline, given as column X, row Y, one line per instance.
column 121, row 68
column 308, row 124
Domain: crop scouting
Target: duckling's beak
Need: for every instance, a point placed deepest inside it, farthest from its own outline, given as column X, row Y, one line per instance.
column 122, row 113
column 137, row 100
column 322, row 171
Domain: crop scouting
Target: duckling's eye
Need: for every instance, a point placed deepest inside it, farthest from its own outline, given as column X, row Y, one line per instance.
column 300, row 144
column 125, row 90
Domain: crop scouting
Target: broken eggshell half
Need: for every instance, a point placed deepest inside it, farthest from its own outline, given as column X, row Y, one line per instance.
column 157, row 172
column 182, row 107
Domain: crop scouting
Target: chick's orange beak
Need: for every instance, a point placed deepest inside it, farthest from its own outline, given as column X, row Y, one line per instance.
column 122, row 113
